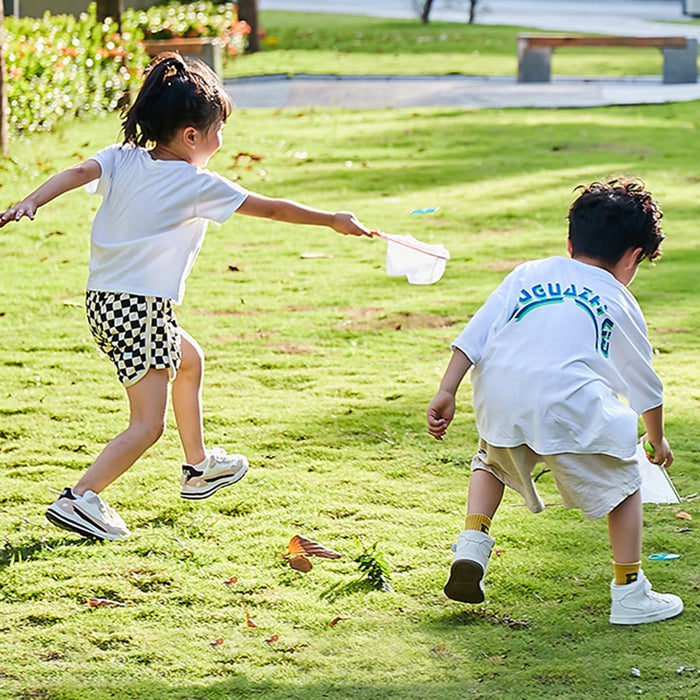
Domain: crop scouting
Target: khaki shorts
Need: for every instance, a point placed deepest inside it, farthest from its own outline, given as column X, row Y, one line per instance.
column 591, row 483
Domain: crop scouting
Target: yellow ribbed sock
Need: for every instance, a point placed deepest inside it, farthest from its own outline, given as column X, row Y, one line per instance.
column 479, row 522
column 626, row 573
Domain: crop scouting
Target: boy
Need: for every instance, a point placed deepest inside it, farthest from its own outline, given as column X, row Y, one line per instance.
column 552, row 349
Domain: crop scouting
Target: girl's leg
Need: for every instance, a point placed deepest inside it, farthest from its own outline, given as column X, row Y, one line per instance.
column 187, row 399
column 148, row 401
column 625, row 530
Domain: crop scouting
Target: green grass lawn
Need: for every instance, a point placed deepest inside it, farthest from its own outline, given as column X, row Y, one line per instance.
column 320, row 369
column 297, row 42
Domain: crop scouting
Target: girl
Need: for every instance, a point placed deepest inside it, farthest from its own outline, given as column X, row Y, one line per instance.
column 157, row 201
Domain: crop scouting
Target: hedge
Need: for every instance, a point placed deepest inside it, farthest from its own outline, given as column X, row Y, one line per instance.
column 61, row 66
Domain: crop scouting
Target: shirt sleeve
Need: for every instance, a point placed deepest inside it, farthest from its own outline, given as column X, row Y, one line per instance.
column 631, row 352
column 106, row 159
column 218, row 197
column 492, row 315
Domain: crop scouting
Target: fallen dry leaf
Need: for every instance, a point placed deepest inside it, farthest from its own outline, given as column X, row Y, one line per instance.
column 302, row 545
column 335, row 621
column 104, row 603
column 216, row 643
column 231, row 581
column 248, row 621
column 301, row 563
column 683, row 515
column 272, row 639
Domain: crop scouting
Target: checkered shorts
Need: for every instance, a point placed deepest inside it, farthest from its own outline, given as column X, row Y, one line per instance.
column 135, row 332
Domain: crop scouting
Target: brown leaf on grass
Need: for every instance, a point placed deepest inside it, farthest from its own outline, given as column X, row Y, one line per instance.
column 104, row 603
column 231, row 581
column 301, row 563
column 216, row 643
column 335, row 621
column 683, row 515
column 302, row 545
column 272, row 639
column 248, row 621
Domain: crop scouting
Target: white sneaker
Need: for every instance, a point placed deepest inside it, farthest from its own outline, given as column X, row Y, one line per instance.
column 218, row 470
column 472, row 552
column 88, row 515
column 635, row 603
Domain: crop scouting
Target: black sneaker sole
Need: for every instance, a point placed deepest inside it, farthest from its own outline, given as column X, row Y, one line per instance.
column 215, row 486
column 77, row 528
column 464, row 583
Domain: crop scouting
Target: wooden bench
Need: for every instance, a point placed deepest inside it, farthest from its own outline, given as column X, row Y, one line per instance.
column 535, row 54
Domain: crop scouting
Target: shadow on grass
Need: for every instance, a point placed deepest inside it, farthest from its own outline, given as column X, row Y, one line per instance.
column 11, row 554
column 239, row 687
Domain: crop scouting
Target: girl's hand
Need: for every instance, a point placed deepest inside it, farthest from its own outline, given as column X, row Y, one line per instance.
column 345, row 222
column 440, row 412
column 24, row 208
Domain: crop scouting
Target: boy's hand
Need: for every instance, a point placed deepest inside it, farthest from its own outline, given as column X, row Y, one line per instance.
column 661, row 453
column 346, row 223
column 440, row 412
column 24, row 208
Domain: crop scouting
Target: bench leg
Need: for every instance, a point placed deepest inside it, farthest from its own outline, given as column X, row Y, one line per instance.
column 681, row 65
column 534, row 63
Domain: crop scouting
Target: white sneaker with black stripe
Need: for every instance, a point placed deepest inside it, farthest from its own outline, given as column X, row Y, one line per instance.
column 216, row 471
column 88, row 515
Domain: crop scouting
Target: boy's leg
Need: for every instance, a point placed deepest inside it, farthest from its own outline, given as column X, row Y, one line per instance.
column 633, row 600
column 205, row 472
column 80, row 509
column 625, row 532
column 484, row 497
column 474, row 544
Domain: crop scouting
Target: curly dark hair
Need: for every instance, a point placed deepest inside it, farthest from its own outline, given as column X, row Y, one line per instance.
column 611, row 217
column 176, row 93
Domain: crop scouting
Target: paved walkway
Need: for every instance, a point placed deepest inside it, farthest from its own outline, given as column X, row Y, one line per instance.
column 624, row 17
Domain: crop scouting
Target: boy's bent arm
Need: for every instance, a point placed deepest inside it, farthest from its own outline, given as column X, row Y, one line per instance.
column 294, row 213
column 441, row 409
column 654, row 424
column 57, row 185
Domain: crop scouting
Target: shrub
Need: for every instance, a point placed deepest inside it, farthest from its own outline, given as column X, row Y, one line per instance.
column 60, row 66
column 200, row 19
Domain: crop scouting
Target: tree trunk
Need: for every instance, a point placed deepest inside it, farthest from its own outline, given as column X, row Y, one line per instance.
column 425, row 15
column 472, row 11
column 4, row 138
column 248, row 12
column 110, row 8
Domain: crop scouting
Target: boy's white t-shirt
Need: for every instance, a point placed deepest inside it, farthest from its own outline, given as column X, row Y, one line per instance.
column 562, row 362
column 151, row 224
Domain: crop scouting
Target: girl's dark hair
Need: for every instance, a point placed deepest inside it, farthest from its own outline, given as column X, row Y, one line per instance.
column 611, row 217
column 176, row 93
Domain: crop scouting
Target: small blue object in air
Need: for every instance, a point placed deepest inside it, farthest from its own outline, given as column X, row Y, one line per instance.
column 429, row 210
column 664, row 556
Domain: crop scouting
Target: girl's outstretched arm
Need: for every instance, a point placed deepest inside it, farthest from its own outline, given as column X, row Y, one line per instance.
column 294, row 213
column 57, row 185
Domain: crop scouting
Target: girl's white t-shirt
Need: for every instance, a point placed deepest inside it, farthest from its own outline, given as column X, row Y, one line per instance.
column 562, row 362
column 151, row 224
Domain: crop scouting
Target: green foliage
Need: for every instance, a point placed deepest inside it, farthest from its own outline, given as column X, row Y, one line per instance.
column 60, row 66
column 199, row 19
column 374, row 568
